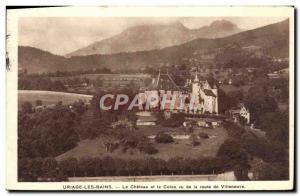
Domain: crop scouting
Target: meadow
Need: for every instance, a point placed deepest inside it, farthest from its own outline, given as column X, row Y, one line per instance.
column 50, row 97
column 179, row 148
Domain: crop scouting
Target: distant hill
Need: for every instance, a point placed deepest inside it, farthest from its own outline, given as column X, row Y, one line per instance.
column 158, row 36
column 36, row 60
column 272, row 39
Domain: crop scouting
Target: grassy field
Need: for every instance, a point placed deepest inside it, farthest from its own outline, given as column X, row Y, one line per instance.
column 180, row 148
column 50, row 97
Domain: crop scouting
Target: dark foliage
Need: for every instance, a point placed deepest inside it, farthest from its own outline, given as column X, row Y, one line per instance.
column 163, row 138
column 203, row 135
column 49, row 133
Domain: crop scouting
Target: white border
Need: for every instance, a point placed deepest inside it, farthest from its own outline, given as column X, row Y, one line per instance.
column 11, row 92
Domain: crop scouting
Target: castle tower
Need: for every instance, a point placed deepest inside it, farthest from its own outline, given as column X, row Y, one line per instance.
column 195, row 86
column 196, row 93
column 215, row 100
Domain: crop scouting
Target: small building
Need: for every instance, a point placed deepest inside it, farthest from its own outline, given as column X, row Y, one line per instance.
column 273, row 75
column 245, row 113
column 204, row 122
column 39, row 108
column 241, row 111
column 283, row 73
column 145, row 119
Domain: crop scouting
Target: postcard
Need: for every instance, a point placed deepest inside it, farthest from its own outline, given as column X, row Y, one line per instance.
column 150, row 98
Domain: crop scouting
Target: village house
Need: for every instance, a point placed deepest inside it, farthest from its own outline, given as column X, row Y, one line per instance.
column 202, row 122
column 241, row 111
column 145, row 119
column 279, row 74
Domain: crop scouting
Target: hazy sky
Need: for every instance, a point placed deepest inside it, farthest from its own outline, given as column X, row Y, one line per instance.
column 64, row 35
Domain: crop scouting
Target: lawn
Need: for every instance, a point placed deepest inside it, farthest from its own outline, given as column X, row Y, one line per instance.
column 180, row 148
column 50, row 97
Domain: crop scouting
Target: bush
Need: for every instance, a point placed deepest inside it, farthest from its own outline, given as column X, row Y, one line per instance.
column 163, row 138
column 147, row 148
column 194, row 140
column 203, row 135
column 27, row 107
column 38, row 102
column 176, row 120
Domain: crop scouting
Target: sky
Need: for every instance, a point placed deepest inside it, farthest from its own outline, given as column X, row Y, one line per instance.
column 62, row 35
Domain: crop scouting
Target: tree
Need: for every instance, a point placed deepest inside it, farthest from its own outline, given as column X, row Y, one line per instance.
column 38, row 102
column 27, row 107
column 90, row 166
column 49, row 168
column 176, row 120
column 194, row 140
column 175, row 165
column 108, row 165
column 276, row 124
column 79, row 107
column 155, row 165
column 226, row 102
column 120, row 167
column 69, row 166
column 203, row 135
column 268, row 171
column 233, row 154
column 163, row 138
column 259, row 105
column 147, row 148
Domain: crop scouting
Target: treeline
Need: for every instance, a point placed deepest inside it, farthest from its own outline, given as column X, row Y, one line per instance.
column 270, row 150
column 39, row 82
column 50, row 132
column 240, row 58
column 244, row 147
column 49, row 168
column 146, row 70
column 74, row 72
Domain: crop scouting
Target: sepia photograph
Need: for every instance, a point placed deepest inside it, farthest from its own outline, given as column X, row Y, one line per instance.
column 198, row 98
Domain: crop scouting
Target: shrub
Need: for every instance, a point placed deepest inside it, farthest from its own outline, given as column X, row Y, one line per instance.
column 38, row 102
column 194, row 140
column 147, row 148
column 176, row 120
column 163, row 138
column 203, row 135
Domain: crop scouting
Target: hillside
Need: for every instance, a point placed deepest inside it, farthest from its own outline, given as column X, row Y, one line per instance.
column 272, row 39
column 36, row 60
column 149, row 37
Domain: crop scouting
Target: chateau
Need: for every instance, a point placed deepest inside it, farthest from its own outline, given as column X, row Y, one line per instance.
column 197, row 96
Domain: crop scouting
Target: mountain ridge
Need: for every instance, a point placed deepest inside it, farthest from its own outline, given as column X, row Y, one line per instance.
column 272, row 39
column 147, row 37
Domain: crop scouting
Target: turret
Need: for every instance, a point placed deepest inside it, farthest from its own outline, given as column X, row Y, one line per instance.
column 215, row 89
column 216, row 101
column 196, row 77
column 195, row 86
column 153, row 80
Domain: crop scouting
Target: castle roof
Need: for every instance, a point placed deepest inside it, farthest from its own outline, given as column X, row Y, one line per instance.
column 209, row 93
column 146, row 119
column 164, row 82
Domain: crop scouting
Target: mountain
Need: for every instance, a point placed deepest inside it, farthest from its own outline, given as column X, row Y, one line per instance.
column 272, row 39
column 36, row 60
column 156, row 36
